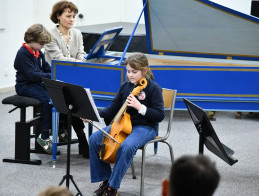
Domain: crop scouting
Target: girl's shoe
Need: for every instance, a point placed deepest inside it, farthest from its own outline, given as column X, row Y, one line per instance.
column 110, row 192
column 102, row 188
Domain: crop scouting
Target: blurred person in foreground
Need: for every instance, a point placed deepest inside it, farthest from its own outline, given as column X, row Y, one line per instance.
column 192, row 176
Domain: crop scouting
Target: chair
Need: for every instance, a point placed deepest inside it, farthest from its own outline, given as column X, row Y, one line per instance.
column 22, row 129
column 169, row 97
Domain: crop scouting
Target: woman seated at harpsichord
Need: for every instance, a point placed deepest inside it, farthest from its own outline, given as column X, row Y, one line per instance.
column 67, row 42
column 67, row 45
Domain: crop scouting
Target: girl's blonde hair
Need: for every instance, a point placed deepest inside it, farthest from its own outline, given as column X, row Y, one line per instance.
column 37, row 33
column 139, row 61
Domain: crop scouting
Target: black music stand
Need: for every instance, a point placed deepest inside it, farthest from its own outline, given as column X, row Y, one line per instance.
column 208, row 136
column 72, row 100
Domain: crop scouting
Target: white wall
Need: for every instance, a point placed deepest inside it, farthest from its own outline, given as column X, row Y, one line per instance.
column 42, row 10
column 99, row 11
column 16, row 17
column 94, row 12
column 132, row 10
column 243, row 6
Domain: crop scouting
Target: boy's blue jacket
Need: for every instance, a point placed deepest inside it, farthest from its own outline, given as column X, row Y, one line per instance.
column 30, row 69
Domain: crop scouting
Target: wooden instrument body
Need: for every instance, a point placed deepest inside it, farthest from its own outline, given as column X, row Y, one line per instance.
column 110, row 146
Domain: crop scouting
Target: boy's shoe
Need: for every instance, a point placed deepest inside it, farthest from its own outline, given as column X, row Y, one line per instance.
column 62, row 137
column 110, row 192
column 45, row 144
column 101, row 189
column 62, row 133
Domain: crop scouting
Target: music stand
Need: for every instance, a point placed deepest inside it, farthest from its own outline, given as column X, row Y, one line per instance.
column 208, row 136
column 72, row 100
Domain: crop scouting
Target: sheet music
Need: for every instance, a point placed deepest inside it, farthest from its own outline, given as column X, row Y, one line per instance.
column 91, row 99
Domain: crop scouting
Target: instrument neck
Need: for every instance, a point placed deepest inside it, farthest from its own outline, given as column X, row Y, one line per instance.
column 135, row 91
column 121, row 112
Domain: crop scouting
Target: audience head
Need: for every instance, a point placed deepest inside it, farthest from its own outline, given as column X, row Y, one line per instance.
column 192, row 176
column 139, row 61
column 37, row 33
column 62, row 8
column 55, row 191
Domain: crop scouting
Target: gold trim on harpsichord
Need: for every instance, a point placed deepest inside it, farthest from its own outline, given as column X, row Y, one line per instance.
column 103, row 93
column 215, row 95
column 170, row 62
column 201, row 69
column 149, row 23
column 160, row 53
column 88, row 66
column 222, row 54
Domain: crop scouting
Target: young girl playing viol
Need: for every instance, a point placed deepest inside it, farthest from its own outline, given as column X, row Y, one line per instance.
column 146, row 111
